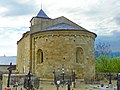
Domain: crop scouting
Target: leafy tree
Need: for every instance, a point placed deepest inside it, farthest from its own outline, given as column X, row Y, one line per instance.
column 104, row 60
column 115, row 64
column 103, row 64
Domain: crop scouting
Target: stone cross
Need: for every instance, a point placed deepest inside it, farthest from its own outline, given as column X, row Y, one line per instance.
column 10, row 71
column 110, row 77
column 118, row 81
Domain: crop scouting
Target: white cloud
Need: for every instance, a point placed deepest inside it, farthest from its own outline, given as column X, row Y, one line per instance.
column 112, row 39
column 3, row 9
column 9, row 37
column 99, row 16
column 22, row 21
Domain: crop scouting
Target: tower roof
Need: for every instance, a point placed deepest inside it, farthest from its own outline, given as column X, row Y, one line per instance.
column 42, row 14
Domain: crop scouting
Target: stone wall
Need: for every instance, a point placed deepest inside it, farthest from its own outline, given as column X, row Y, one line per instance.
column 59, row 47
column 23, row 54
column 5, row 67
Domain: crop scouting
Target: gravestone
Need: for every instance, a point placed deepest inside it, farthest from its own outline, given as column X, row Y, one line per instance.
column 110, row 85
column 31, row 82
column 36, row 83
column 0, row 80
column 118, row 81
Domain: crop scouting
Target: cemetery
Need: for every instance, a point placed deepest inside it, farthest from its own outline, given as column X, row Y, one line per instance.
column 63, row 79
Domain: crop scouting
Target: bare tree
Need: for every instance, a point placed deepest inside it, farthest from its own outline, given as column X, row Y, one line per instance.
column 102, row 48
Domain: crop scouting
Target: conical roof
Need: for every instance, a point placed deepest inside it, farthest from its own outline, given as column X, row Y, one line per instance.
column 42, row 14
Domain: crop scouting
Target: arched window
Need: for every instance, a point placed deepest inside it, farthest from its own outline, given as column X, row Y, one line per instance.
column 79, row 55
column 39, row 56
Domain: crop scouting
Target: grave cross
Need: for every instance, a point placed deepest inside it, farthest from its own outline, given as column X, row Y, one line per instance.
column 10, row 71
column 69, row 83
column 118, row 81
column 55, row 77
column 110, row 77
column 73, row 77
column 29, row 81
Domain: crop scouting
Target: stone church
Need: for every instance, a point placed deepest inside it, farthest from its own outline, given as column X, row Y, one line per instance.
column 51, row 43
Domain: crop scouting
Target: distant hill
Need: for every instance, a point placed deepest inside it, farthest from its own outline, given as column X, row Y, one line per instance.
column 116, row 54
column 5, row 60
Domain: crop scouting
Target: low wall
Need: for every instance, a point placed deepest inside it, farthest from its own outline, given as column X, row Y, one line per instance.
column 14, row 78
column 103, row 76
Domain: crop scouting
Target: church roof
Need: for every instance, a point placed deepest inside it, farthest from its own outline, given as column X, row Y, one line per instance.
column 42, row 14
column 63, row 26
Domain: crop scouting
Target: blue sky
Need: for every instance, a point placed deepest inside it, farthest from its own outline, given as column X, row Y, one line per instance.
column 99, row 16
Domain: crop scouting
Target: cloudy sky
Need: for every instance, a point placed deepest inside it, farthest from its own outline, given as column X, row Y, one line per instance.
column 99, row 16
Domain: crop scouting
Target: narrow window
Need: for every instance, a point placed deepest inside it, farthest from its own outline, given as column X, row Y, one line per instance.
column 39, row 56
column 79, row 55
